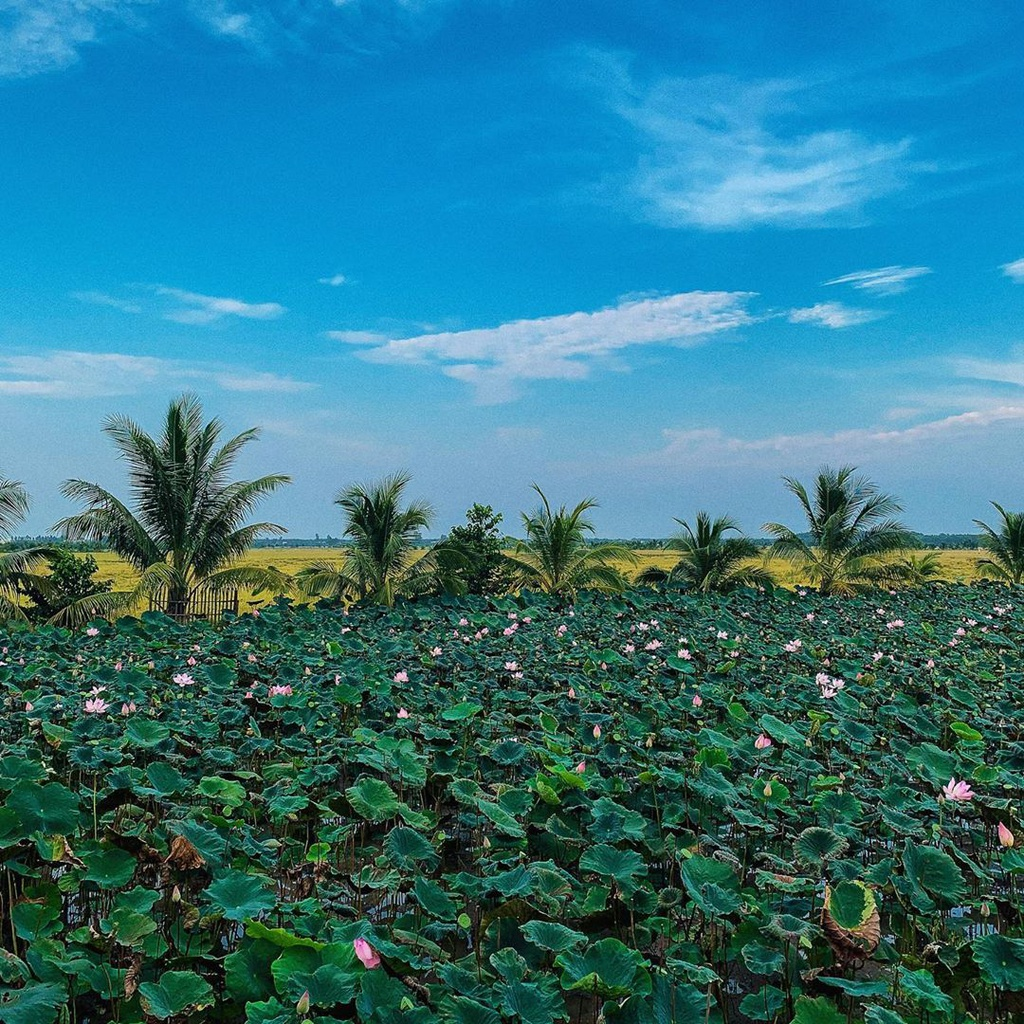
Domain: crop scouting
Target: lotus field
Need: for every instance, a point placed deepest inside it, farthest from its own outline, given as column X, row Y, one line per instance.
column 641, row 809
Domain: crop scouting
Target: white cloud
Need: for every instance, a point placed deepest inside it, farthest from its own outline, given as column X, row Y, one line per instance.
column 712, row 447
column 45, row 35
column 496, row 360
column 334, row 281
column 1007, row 371
column 77, row 375
column 834, row 315
column 207, row 309
column 1014, row 270
column 884, row 280
column 721, row 153
column 103, row 299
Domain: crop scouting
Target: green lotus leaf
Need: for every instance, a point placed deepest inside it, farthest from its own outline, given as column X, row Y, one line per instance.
column 373, row 800
column 920, row 986
column 851, row 904
column 33, row 1004
column 145, row 732
column 608, row 968
column 549, row 935
column 240, row 896
column 817, row 1011
column 816, row 845
column 623, row 866
column 407, row 849
column 1001, row 960
column 174, row 993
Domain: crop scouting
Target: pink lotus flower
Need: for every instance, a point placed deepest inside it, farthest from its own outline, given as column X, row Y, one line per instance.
column 581, row 767
column 118, row 666
column 929, row 663
column 29, row 706
column 402, row 713
column 248, row 695
column 96, row 706
column 367, row 956
column 92, row 631
column 401, row 676
column 280, row 691
column 191, row 662
column 762, row 742
column 597, row 732
column 697, row 700
column 463, row 622
column 652, row 645
column 184, row 679
column 1006, row 837
column 251, row 659
column 127, row 709
column 629, row 649
column 793, row 646
column 436, row 652
column 572, row 693
column 511, row 666
column 958, row 792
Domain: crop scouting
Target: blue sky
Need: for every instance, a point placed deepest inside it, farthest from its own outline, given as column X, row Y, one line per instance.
column 657, row 253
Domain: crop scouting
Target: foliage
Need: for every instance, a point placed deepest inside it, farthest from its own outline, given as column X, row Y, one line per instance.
column 486, row 570
column 851, row 526
column 382, row 562
column 70, row 580
column 556, row 557
column 244, row 802
column 19, row 567
column 917, row 569
column 1005, row 547
column 709, row 561
column 188, row 526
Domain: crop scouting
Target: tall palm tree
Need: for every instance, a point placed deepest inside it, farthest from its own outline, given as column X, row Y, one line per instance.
column 188, row 526
column 1006, row 548
column 17, row 568
column 556, row 556
column 709, row 561
column 382, row 562
column 851, row 526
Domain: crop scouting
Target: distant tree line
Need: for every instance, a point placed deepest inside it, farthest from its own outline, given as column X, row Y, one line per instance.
column 187, row 527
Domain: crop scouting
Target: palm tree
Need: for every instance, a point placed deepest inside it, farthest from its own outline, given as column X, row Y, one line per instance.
column 556, row 556
column 188, row 525
column 917, row 569
column 17, row 568
column 382, row 562
column 851, row 526
column 710, row 562
column 1006, row 548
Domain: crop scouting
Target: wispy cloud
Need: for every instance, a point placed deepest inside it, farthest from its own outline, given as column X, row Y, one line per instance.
column 194, row 308
column 497, row 360
column 45, row 35
column 834, row 315
column 713, row 447
column 1000, row 371
column 719, row 152
column 335, row 280
column 884, row 280
column 111, row 301
column 78, row 375
column 1014, row 270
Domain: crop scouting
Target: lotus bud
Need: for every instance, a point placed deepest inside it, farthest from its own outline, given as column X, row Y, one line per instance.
column 767, row 789
column 597, row 732
column 649, row 742
column 986, row 910
column 1006, row 837
column 175, row 895
column 302, row 1006
column 486, row 843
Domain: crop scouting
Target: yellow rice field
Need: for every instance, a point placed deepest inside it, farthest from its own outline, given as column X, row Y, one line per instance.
column 957, row 566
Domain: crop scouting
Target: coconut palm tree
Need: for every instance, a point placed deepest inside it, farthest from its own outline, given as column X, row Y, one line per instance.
column 850, row 528
column 188, row 526
column 17, row 568
column 709, row 561
column 556, row 556
column 382, row 562
column 1006, row 548
column 917, row 569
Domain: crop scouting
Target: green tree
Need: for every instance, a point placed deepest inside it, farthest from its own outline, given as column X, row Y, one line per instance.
column 851, row 527
column 18, row 568
column 917, row 569
column 1005, row 547
column 70, row 580
column 711, row 562
column 382, row 561
column 558, row 558
column 479, row 542
column 188, row 527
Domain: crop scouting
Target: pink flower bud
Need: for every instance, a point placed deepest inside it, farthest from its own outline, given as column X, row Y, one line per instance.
column 365, row 952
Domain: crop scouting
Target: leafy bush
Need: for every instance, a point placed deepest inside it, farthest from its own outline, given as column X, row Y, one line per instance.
column 650, row 808
column 70, row 579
